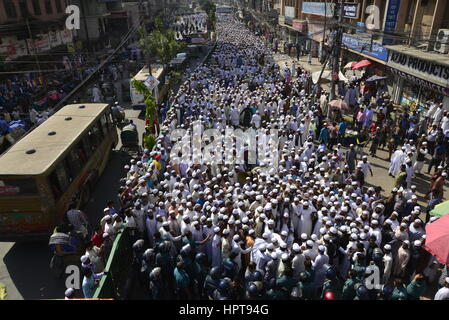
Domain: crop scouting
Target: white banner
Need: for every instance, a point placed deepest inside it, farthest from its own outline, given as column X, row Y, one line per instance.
column 13, row 48
column 39, row 45
column 55, row 38
column 67, row 36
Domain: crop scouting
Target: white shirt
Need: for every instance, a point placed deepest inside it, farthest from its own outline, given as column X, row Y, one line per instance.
column 442, row 294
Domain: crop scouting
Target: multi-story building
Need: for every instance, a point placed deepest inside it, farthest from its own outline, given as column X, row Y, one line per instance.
column 32, row 26
column 407, row 40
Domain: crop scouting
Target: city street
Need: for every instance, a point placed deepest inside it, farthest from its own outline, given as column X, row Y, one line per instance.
column 24, row 267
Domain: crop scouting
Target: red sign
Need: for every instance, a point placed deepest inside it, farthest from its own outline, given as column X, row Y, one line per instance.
column 9, row 190
column 300, row 26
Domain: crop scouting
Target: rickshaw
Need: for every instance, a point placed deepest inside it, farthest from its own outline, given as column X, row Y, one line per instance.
column 130, row 139
column 65, row 254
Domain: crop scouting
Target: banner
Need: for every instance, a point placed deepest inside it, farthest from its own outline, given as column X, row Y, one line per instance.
column 318, row 8
column 66, row 36
column 390, row 20
column 351, row 10
column 55, row 38
column 39, row 45
column 364, row 46
column 13, row 49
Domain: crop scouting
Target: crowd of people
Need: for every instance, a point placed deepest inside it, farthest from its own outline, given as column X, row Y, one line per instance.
column 193, row 23
column 299, row 223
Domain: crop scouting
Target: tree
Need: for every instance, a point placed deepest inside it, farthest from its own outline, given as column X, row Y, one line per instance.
column 209, row 7
column 150, row 114
column 160, row 43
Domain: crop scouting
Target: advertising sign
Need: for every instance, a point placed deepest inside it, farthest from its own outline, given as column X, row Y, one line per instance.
column 391, row 17
column 351, row 10
column 318, row 8
column 364, row 46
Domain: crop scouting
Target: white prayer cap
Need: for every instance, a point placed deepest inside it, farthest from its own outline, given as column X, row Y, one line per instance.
column 296, row 247
column 417, row 243
column 236, row 237
column 304, row 236
column 321, row 248
column 226, row 231
column 217, row 229
column 274, row 255
column 309, row 243
column 270, row 222
column 69, row 292
column 263, row 247
column 387, row 247
column 265, row 235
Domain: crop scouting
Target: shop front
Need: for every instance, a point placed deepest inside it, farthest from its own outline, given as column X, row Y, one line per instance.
column 419, row 79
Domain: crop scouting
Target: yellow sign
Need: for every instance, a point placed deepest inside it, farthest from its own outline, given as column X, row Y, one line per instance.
column 71, row 47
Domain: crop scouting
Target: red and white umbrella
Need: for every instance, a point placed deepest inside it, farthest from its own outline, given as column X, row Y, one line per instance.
column 361, row 64
column 437, row 239
column 349, row 65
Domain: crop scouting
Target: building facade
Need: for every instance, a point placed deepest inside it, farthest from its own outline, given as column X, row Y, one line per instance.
column 407, row 40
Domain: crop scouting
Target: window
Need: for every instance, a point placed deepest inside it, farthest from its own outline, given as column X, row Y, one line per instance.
column 82, row 154
column 87, row 148
column 23, row 8
column 58, row 6
column 18, row 187
column 37, row 7
column 95, row 136
column 48, row 7
column 10, row 8
column 104, row 123
column 109, row 120
column 62, row 177
column 74, row 163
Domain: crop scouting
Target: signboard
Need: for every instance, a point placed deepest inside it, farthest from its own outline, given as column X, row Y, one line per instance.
column 9, row 190
column 425, row 69
column 66, row 36
column 12, row 48
column 39, row 45
column 289, row 12
column 55, row 38
column 364, row 46
column 151, row 82
column 318, row 8
column 391, row 17
column 71, row 47
column 351, row 10
column 300, row 26
column 419, row 81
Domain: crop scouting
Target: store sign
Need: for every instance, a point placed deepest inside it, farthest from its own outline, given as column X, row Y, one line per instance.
column 300, row 26
column 351, row 10
column 421, row 82
column 66, row 36
column 39, row 45
column 390, row 20
column 425, row 69
column 55, row 38
column 289, row 12
column 364, row 46
column 12, row 48
column 318, row 8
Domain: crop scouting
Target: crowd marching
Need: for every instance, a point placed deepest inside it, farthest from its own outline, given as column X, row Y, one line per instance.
column 300, row 223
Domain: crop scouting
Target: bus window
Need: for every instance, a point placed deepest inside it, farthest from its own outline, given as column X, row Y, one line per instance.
column 18, row 187
column 104, row 124
column 86, row 146
column 109, row 120
column 74, row 163
column 62, row 176
column 55, row 186
column 81, row 152
column 101, row 133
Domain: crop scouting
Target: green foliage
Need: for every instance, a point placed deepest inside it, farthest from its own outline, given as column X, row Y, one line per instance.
column 149, row 141
column 160, row 43
column 150, row 102
column 3, row 292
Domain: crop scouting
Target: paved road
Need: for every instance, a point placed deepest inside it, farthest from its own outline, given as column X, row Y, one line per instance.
column 24, row 267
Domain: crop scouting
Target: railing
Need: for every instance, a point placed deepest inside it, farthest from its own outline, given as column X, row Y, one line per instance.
column 112, row 284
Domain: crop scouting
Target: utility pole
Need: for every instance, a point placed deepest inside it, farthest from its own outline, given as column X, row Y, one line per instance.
column 336, row 49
